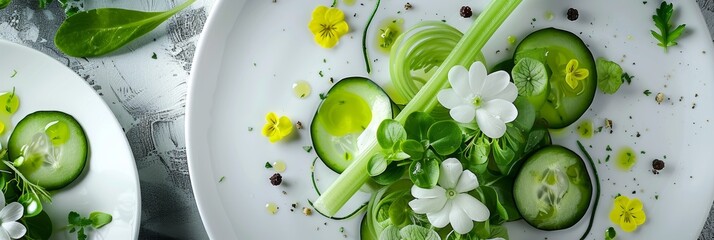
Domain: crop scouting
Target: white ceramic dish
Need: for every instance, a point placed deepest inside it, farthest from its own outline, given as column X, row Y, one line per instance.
column 252, row 51
column 110, row 181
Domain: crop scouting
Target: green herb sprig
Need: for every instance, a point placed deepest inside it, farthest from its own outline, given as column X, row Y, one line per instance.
column 78, row 223
column 667, row 36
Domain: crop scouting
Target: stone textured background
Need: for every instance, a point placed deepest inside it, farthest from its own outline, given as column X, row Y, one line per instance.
column 149, row 100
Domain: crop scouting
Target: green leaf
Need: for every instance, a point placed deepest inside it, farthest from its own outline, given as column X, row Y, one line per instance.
column 74, row 218
column 417, row 125
column 377, row 164
column 398, row 156
column 478, row 155
column 535, row 138
column 530, row 77
column 610, row 233
column 390, row 133
column 667, row 37
column 31, row 203
column 503, row 155
column 393, row 173
column 390, row 233
column 43, row 3
column 399, row 212
column 81, row 235
column 498, row 231
column 39, row 226
column 526, row 114
column 609, row 75
column 4, row 3
column 445, row 137
column 414, row 232
column 424, row 173
column 413, row 148
column 100, row 31
column 99, row 219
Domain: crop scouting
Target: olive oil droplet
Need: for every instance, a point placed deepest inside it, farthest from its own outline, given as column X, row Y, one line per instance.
column 626, row 158
column 585, row 129
column 387, row 34
column 279, row 166
column 301, row 89
column 10, row 103
column 272, row 208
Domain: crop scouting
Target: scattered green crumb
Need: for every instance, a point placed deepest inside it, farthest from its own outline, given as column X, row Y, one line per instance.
column 255, row 64
column 342, row 229
column 608, row 148
column 153, row 56
column 647, row 92
column 642, row 152
column 307, row 148
column 14, row 73
column 323, row 96
column 268, row 165
column 321, row 74
column 324, row 60
column 607, row 159
column 627, row 78
column 222, row 178
column 250, row 129
column 656, row 197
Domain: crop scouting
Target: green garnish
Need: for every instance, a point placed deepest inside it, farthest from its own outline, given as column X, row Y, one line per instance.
column 268, row 165
column 78, row 223
column 14, row 72
column 609, row 76
column 608, row 148
column 323, row 96
column 307, row 148
column 364, row 37
column 610, row 233
column 667, row 36
column 100, row 31
column 321, row 74
column 4, row 3
column 647, row 92
column 153, row 56
column 221, row 179
column 7, row 104
column 250, row 129
column 627, row 78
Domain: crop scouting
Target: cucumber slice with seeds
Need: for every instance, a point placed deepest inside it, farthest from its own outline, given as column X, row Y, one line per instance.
column 49, row 148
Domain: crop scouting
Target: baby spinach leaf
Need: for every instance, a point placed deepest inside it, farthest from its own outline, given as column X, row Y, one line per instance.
column 425, row 172
column 477, row 156
column 413, row 148
column 417, row 125
column 498, row 231
column 99, row 219
column 390, row 133
column 445, row 137
column 377, row 164
column 100, row 31
column 481, row 229
column 415, row 232
column 40, row 225
column 393, row 173
column 526, row 114
column 535, row 138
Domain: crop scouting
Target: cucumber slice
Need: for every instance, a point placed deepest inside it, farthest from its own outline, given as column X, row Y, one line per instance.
column 351, row 112
column 553, row 189
column 49, row 148
column 555, row 48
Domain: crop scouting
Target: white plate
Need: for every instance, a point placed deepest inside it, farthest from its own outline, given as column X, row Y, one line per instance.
column 109, row 182
column 252, row 51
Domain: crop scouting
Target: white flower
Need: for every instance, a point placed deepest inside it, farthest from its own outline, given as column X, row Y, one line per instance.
column 9, row 227
column 477, row 94
column 449, row 202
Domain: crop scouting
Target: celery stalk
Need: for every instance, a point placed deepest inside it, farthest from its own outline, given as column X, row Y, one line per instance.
column 465, row 52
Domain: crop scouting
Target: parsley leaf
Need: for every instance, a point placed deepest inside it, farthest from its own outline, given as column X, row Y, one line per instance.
column 609, row 76
column 78, row 223
column 667, row 36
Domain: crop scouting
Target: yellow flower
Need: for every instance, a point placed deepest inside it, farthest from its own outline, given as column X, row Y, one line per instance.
column 276, row 128
column 628, row 213
column 328, row 25
column 573, row 74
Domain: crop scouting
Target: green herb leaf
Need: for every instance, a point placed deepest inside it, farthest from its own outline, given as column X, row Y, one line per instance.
column 531, row 77
column 415, row 232
column 31, row 203
column 268, row 165
column 74, row 218
column 627, row 78
column 393, row 173
column 413, row 148
column 610, row 233
column 399, row 212
column 609, row 75
column 81, row 235
column 666, row 36
column 647, row 92
column 424, row 173
column 482, row 230
column 390, row 233
column 526, row 114
column 445, row 137
column 100, row 31
column 307, row 148
column 100, row 219
column 377, row 164
column 390, row 133
column 40, row 226
column 417, row 125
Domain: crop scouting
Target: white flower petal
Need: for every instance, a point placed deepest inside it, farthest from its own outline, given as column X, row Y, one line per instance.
column 494, row 84
column 12, row 212
column 428, row 205
column 490, row 125
column 449, row 98
column 14, row 229
column 477, row 77
column 509, row 93
column 2, row 198
column 501, row 109
column 459, row 80
column 472, row 207
column 434, row 192
column 4, row 235
column 467, row 182
column 463, row 113
column 441, row 218
column 449, row 173
column 461, row 222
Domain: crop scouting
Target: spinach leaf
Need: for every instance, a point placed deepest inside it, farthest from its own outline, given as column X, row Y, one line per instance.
column 425, row 172
column 377, row 164
column 498, row 231
column 526, row 114
column 417, row 125
column 40, row 225
column 415, row 232
column 390, row 133
column 445, row 137
column 393, row 173
column 477, row 155
column 413, row 148
column 100, row 31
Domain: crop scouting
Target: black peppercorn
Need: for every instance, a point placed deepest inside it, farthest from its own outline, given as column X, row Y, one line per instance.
column 573, row 14
column 657, row 165
column 276, row 179
column 466, row 12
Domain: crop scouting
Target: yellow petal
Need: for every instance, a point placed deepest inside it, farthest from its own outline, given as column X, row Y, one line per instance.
column 571, row 81
column 639, row 217
column 572, row 66
column 271, row 117
column 581, row 74
column 268, row 130
column 616, row 214
column 622, row 201
column 274, row 138
column 635, row 205
column 285, row 127
column 334, row 15
column 628, row 225
column 325, row 42
column 315, row 27
column 341, row 28
column 318, row 13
